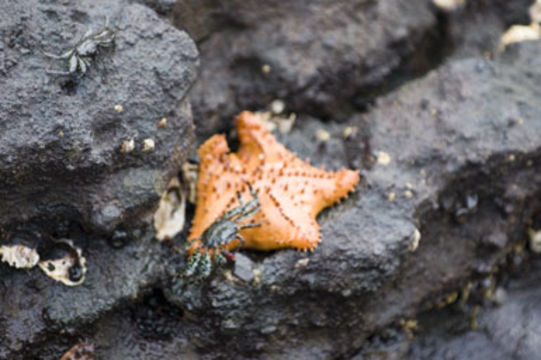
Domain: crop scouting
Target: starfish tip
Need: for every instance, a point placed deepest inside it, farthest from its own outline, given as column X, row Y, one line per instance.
column 214, row 146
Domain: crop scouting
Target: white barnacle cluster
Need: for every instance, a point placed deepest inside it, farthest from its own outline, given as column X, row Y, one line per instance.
column 19, row 256
column 169, row 219
column 65, row 263
column 276, row 119
column 519, row 33
column 128, row 146
column 62, row 262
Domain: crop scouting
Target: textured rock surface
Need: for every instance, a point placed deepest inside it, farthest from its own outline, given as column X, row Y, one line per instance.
column 62, row 173
column 464, row 168
column 34, row 308
column 317, row 55
column 476, row 28
column 451, row 165
column 507, row 329
column 162, row 7
column 60, row 137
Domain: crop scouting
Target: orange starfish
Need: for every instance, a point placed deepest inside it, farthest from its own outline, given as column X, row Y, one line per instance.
column 290, row 191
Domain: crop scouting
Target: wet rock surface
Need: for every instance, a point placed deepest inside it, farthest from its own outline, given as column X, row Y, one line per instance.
column 162, row 7
column 451, row 178
column 65, row 171
column 66, row 140
column 505, row 329
column 475, row 28
column 36, row 309
column 462, row 166
column 318, row 56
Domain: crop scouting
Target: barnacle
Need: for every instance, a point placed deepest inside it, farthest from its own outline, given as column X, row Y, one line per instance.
column 64, row 262
column 19, row 256
column 170, row 216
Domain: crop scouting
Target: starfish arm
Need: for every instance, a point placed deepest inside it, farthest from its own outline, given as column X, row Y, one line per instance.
column 329, row 190
column 345, row 182
column 220, row 176
column 209, row 168
column 258, row 145
column 303, row 231
column 282, row 225
column 309, row 236
column 208, row 153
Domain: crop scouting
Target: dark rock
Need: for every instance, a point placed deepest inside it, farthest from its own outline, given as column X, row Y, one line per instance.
column 62, row 173
column 162, row 7
column 507, row 331
column 475, row 29
column 448, row 140
column 315, row 56
column 61, row 136
column 451, row 168
column 35, row 308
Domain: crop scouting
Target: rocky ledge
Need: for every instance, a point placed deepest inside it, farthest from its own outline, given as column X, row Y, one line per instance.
column 450, row 191
column 452, row 173
column 86, row 155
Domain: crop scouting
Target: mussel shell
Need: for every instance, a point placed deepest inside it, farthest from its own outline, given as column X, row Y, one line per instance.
column 64, row 262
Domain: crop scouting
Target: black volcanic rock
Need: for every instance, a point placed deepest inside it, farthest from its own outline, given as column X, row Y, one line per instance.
column 61, row 137
column 62, row 171
column 456, row 157
column 315, row 55
column 451, row 184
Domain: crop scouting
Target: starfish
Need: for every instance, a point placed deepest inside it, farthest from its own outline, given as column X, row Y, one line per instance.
column 289, row 191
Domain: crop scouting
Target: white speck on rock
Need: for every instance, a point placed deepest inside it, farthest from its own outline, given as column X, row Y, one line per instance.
column 148, row 144
column 127, row 146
